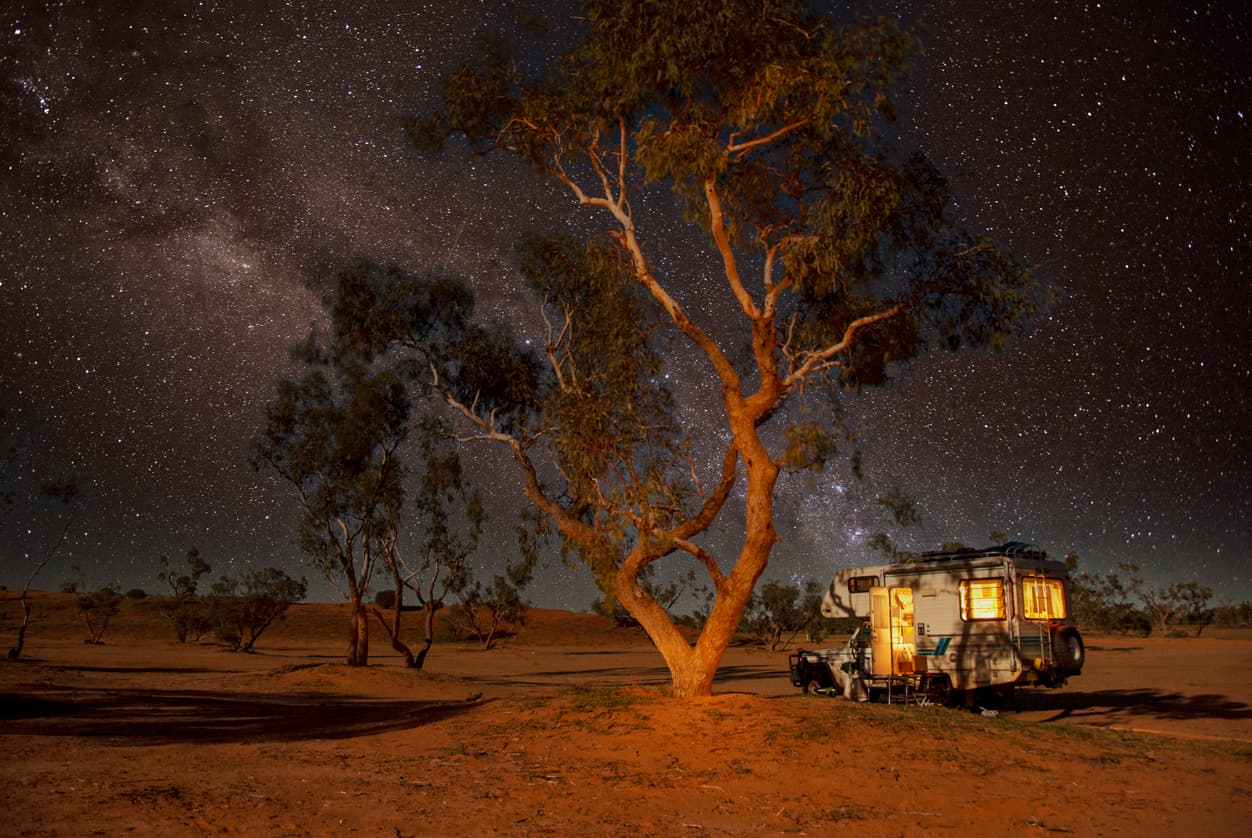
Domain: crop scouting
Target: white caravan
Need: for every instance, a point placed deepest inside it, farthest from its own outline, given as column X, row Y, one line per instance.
column 959, row 621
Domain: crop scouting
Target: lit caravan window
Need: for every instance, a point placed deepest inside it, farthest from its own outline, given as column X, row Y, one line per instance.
column 982, row 599
column 1043, row 599
column 861, row 584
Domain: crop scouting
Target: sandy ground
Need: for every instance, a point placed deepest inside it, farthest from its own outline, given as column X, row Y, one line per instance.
column 565, row 730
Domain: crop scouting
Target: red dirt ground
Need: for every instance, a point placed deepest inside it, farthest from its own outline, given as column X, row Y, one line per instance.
column 565, row 730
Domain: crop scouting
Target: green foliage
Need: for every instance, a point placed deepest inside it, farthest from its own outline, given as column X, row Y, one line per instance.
column 904, row 512
column 666, row 594
column 1183, row 601
column 608, row 402
column 184, row 585
column 242, row 608
column 1103, row 604
column 486, row 612
column 334, row 435
column 842, row 254
column 784, row 112
column 601, row 406
column 187, row 612
column 65, row 491
column 605, row 700
column 374, row 309
column 1122, row 602
column 1230, row 615
column 778, row 612
column 450, row 515
column 903, row 508
column 809, row 445
column 96, row 609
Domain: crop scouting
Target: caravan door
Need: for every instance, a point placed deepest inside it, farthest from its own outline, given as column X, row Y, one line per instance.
column 891, row 620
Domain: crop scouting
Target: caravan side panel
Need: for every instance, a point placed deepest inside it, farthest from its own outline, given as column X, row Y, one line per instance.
column 848, row 594
column 962, row 621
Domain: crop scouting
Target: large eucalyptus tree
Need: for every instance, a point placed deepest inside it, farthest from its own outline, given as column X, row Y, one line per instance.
column 838, row 255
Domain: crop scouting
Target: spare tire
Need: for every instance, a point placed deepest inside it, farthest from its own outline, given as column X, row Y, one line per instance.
column 1068, row 649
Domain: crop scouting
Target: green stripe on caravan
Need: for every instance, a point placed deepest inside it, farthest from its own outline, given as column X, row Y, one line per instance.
column 941, row 648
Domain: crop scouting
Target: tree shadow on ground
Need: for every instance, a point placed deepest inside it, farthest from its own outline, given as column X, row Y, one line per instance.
column 618, row 676
column 1089, row 706
column 154, row 717
column 583, row 677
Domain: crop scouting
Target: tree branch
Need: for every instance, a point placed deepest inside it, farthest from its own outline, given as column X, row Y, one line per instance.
column 717, row 225
column 705, row 558
column 824, row 357
column 702, row 520
column 740, row 149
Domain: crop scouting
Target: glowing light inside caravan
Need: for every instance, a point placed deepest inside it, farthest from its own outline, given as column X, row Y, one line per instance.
column 1043, row 599
column 982, row 599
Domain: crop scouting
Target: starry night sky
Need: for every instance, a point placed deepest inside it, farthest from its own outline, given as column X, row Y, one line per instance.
column 181, row 180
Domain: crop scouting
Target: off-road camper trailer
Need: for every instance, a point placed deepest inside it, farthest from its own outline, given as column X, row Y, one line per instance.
column 960, row 621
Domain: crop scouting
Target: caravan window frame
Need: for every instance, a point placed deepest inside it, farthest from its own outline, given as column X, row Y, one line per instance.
column 862, row 584
column 1055, row 596
column 978, row 609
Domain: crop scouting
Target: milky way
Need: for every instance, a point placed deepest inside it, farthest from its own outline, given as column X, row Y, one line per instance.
column 182, row 180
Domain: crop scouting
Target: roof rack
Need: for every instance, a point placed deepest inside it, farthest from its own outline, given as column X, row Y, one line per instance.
column 1011, row 548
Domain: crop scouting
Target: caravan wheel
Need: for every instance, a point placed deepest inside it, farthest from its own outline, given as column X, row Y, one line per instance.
column 1068, row 648
column 939, row 690
column 819, row 682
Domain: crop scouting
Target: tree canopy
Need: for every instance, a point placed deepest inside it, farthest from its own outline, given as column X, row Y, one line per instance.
column 840, row 253
column 333, row 434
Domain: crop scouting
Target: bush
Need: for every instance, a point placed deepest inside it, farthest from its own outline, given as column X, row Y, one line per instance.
column 241, row 609
column 136, row 593
column 189, row 615
column 96, row 609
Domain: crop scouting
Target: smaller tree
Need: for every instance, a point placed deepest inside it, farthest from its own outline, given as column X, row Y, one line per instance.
column 667, row 595
column 243, row 608
column 334, row 435
column 777, row 613
column 486, row 613
column 1183, row 601
column 704, row 598
column 815, row 623
column 903, row 509
column 97, row 608
column 1229, row 615
column 445, row 542
column 64, row 492
column 1105, row 603
column 187, row 612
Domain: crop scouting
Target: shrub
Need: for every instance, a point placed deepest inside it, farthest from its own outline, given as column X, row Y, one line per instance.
column 96, row 609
